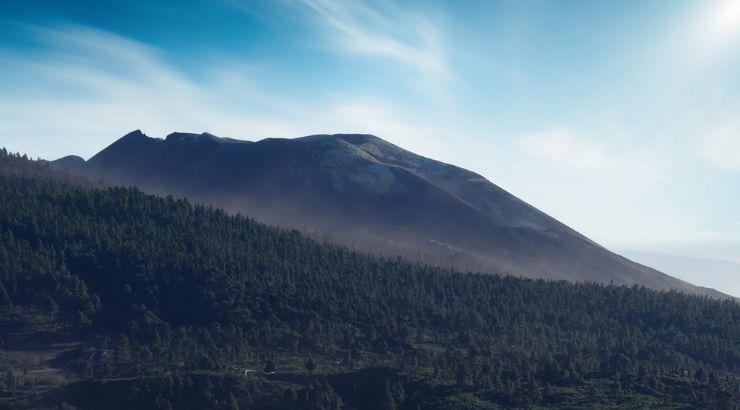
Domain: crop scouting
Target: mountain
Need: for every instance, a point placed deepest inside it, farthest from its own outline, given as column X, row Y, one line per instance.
column 366, row 193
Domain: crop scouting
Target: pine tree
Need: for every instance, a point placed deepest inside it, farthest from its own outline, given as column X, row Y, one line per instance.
column 387, row 402
column 310, row 365
column 399, row 393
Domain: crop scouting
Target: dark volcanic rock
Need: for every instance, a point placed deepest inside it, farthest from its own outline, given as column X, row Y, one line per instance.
column 366, row 193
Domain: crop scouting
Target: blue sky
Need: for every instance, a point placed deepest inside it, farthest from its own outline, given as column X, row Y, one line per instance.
column 622, row 119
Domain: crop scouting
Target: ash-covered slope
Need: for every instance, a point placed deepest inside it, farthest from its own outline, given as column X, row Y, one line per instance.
column 364, row 192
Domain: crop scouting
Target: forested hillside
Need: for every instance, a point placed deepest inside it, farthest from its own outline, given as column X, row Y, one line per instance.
column 159, row 303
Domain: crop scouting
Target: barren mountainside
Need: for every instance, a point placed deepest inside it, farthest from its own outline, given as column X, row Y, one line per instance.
column 366, row 193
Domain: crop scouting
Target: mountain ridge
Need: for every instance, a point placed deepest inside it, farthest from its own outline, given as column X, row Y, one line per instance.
column 364, row 192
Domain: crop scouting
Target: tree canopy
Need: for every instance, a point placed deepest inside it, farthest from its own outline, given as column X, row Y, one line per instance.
column 159, row 284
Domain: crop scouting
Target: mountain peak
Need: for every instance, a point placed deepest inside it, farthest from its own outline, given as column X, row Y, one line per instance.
column 71, row 163
column 71, row 159
column 130, row 144
column 134, row 135
column 182, row 136
column 205, row 137
column 365, row 144
column 354, row 139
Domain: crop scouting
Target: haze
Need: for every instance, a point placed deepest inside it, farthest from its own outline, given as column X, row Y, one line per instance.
column 619, row 119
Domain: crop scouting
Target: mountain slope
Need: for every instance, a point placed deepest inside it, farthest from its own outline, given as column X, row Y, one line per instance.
column 366, row 193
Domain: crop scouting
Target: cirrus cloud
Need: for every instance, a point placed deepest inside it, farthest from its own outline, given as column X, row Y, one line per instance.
column 562, row 146
column 86, row 87
column 399, row 35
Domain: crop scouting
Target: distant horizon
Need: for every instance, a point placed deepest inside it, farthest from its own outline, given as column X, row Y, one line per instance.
column 707, row 272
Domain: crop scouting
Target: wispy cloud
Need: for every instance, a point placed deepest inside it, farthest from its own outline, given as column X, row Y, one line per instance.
column 721, row 147
column 593, row 182
column 565, row 148
column 380, row 29
column 90, row 86
column 608, row 158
